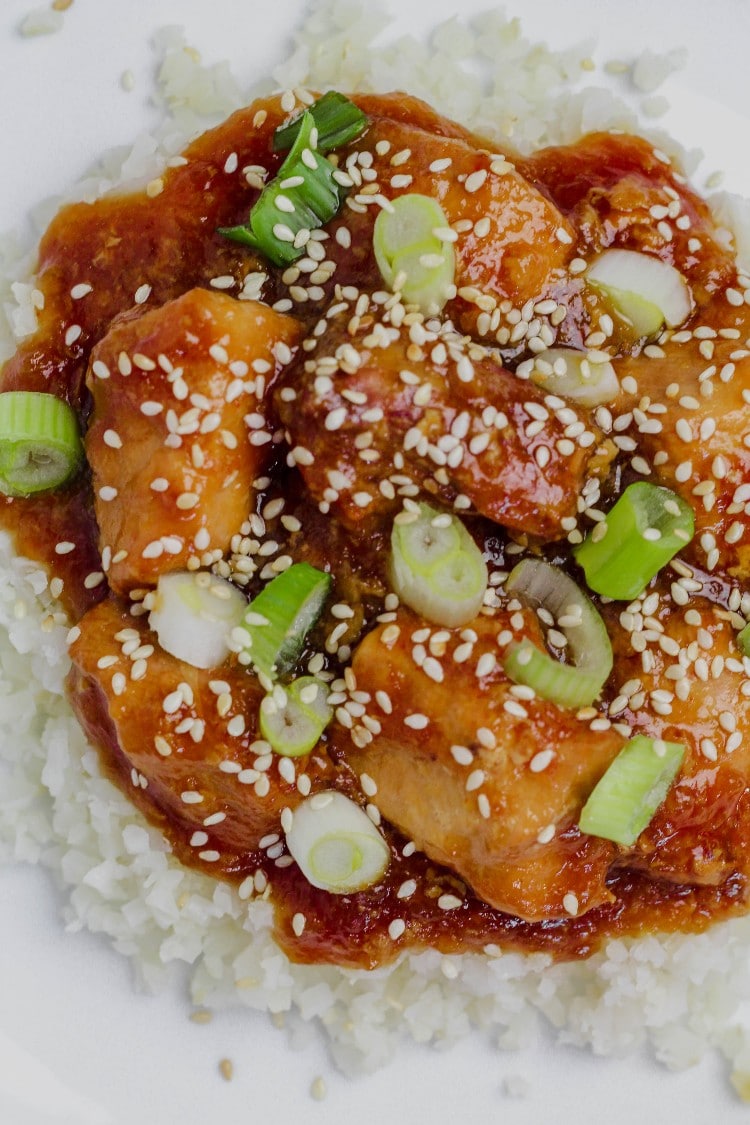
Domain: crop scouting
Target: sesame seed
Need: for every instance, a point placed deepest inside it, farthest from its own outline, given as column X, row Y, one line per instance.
column 396, row 929
column 475, row 780
column 570, row 904
column 541, row 760
column 449, row 902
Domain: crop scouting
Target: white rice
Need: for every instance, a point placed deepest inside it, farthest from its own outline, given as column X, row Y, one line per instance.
column 680, row 996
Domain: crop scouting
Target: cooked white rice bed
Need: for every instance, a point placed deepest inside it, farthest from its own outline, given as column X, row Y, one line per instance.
column 678, row 994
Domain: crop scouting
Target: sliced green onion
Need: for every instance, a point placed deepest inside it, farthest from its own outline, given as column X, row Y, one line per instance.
column 645, row 529
column 303, row 196
column 280, row 617
column 193, row 614
column 572, row 375
column 293, row 717
column 337, row 119
column 40, row 444
column 742, row 640
column 336, row 845
column 569, row 685
column 436, row 567
column 410, row 256
column 626, row 798
column 642, row 288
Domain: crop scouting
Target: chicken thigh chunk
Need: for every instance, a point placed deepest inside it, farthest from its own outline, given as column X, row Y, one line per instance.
column 377, row 416
column 483, row 779
column 180, row 429
column 183, row 741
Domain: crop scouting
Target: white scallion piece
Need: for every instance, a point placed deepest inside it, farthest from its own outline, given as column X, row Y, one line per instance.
column 572, row 375
column 193, row 616
column 643, row 289
column 336, row 845
column 436, row 567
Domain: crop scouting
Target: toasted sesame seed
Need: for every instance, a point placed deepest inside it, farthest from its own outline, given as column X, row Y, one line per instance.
column 396, row 929
column 541, row 760
column 449, row 902
column 570, row 904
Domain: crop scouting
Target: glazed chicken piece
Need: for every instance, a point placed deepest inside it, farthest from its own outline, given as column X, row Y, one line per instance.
column 699, row 835
column 689, row 411
column 182, row 740
column 617, row 190
column 377, row 416
column 180, row 430
column 513, row 244
column 486, row 784
column 164, row 239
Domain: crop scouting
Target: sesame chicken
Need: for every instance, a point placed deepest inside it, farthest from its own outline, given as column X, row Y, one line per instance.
column 381, row 413
column 688, row 682
column 687, row 409
column 619, row 190
column 241, row 417
column 180, row 429
column 183, row 741
column 512, row 243
column 492, row 785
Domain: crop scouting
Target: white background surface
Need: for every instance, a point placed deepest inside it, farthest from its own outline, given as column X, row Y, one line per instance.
column 77, row 1044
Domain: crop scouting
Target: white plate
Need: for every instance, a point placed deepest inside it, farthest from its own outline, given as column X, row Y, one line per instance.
column 77, row 1044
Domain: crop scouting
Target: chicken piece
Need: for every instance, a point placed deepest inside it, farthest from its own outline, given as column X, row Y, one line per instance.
column 700, row 834
column 513, row 244
column 181, row 740
column 377, row 416
column 475, row 776
column 179, row 429
column 688, row 410
column 163, row 242
column 617, row 190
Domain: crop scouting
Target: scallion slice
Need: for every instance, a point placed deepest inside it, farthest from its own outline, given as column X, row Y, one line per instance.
column 642, row 288
column 337, row 119
column 410, row 256
column 636, row 784
column 742, row 640
column 569, row 685
column 645, row 529
column 193, row 614
column 40, row 444
column 293, row 717
column 571, row 374
column 436, row 567
column 336, row 845
column 303, row 196
column 280, row 617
